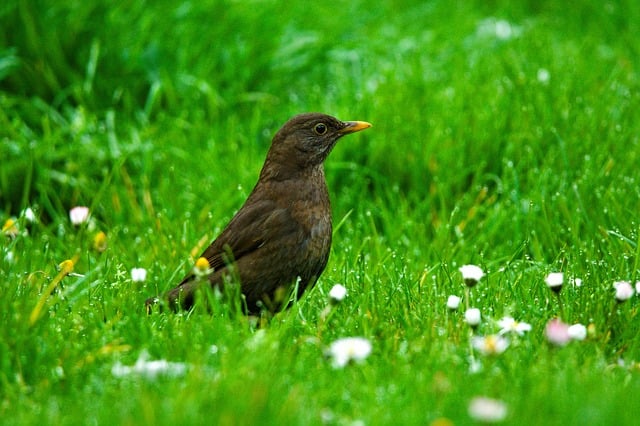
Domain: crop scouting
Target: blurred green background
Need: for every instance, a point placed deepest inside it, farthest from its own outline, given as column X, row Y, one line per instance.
column 505, row 133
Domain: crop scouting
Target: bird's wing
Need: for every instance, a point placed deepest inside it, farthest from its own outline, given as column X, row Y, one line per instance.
column 253, row 226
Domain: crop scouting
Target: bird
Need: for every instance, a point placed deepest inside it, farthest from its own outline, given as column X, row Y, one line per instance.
column 279, row 241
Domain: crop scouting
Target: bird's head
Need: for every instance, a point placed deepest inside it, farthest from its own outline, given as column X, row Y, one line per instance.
column 306, row 140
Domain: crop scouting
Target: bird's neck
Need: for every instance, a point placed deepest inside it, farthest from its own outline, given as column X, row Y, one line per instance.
column 306, row 184
column 279, row 171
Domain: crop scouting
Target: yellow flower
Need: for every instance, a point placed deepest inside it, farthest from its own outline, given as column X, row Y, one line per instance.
column 66, row 267
column 202, row 268
column 10, row 228
column 100, row 242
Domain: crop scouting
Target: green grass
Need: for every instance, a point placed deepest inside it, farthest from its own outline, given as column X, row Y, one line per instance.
column 158, row 116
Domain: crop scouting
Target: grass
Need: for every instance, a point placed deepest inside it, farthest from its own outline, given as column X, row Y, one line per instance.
column 504, row 135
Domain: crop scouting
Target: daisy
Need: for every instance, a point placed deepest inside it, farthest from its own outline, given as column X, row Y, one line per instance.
column 348, row 349
column 577, row 332
column 29, row 215
column 472, row 317
column 557, row 332
column 624, row 290
column 202, row 268
column 471, row 274
column 138, row 275
column 509, row 325
column 10, row 228
column 453, row 302
column 487, row 410
column 337, row 293
column 490, row 345
column 79, row 215
column 554, row 281
column 150, row 369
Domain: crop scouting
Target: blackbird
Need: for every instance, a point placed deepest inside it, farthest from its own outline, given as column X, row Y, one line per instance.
column 281, row 236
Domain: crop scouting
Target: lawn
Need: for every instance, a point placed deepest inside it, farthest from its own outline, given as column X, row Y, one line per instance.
column 505, row 135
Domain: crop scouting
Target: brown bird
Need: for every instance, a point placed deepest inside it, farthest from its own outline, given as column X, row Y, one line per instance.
column 282, row 234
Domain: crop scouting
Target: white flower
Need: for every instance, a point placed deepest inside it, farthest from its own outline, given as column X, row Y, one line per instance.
column 543, row 76
column 150, row 369
column 138, row 275
column 490, row 345
column 29, row 215
column 471, row 274
column 472, row 317
column 554, row 280
column 509, row 325
column 453, row 302
column 337, row 293
column 624, row 290
column 487, row 410
column 348, row 349
column 638, row 287
column 79, row 215
column 577, row 332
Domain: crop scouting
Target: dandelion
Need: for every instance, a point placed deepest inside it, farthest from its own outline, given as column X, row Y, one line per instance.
column 510, row 325
column 453, row 302
column 557, row 332
column 100, row 242
column 487, row 410
column 348, row 349
column 472, row 317
column 554, row 281
column 79, row 215
column 471, row 274
column 624, row 290
column 138, row 275
column 337, row 293
column 638, row 287
column 150, row 369
column 577, row 332
column 490, row 345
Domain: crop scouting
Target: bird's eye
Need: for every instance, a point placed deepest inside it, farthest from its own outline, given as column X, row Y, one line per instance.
column 320, row 128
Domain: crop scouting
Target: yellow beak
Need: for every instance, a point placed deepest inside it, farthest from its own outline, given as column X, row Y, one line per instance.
column 355, row 126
